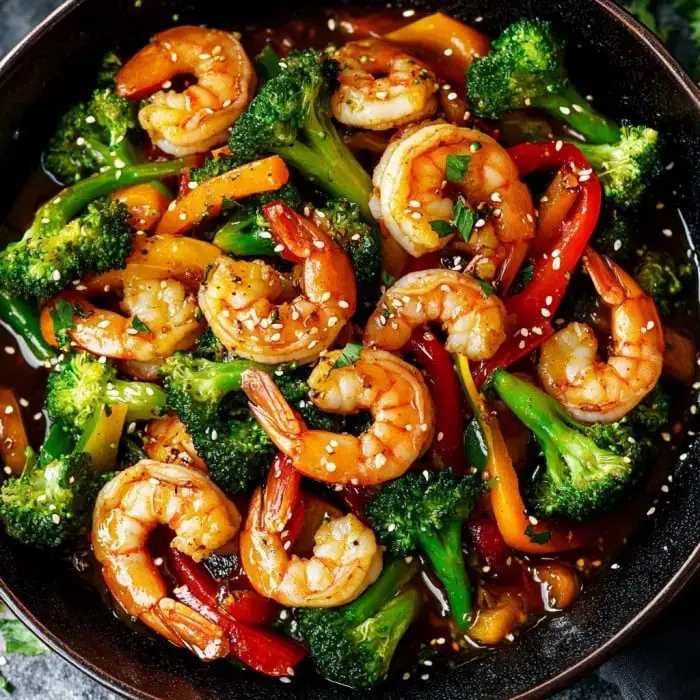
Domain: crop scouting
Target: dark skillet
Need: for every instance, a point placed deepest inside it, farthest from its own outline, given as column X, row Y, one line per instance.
column 631, row 74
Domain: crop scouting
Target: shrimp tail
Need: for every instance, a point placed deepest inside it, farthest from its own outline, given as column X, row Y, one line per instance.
column 275, row 416
column 296, row 233
column 613, row 284
column 189, row 628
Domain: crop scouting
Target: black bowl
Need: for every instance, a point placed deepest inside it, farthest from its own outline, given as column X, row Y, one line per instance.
column 631, row 74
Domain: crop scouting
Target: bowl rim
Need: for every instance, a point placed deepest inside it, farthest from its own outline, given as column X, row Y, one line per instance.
column 577, row 670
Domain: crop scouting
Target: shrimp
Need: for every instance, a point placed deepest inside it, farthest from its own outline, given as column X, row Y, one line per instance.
column 474, row 320
column 412, row 191
column 197, row 119
column 240, row 298
column 596, row 391
column 162, row 319
column 393, row 391
column 163, row 315
column 168, row 441
column 128, row 509
column 381, row 86
column 346, row 558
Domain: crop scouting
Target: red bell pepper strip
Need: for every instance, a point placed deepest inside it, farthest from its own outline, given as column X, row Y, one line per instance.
column 264, row 651
column 448, row 444
column 246, row 606
column 532, row 308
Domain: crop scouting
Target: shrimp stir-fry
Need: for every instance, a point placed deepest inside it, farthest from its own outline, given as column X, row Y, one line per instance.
column 346, row 558
column 473, row 319
column 128, row 509
column 393, row 391
column 412, row 192
column 381, row 86
column 195, row 120
column 245, row 302
column 596, row 391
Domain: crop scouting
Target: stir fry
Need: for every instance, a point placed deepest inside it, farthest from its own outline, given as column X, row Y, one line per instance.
column 352, row 339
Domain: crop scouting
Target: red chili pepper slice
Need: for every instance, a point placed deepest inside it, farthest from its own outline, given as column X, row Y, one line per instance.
column 533, row 308
column 448, row 445
column 262, row 650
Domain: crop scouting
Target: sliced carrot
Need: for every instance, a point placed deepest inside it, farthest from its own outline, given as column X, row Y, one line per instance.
column 146, row 205
column 430, row 37
column 13, row 435
column 206, row 200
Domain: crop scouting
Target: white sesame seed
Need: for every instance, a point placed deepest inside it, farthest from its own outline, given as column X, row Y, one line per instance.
column 382, row 95
column 564, row 110
column 651, row 511
column 330, row 466
column 452, row 96
column 56, row 274
column 408, row 13
column 10, row 351
column 448, row 52
column 667, row 232
column 546, row 313
column 56, row 518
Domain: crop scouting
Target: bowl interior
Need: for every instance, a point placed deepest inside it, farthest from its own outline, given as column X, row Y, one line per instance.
column 625, row 70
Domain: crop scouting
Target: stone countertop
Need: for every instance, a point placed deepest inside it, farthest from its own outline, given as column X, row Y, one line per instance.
column 48, row 676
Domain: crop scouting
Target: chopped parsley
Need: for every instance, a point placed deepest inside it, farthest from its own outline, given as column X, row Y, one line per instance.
column 350, row 355
column 456, row 168
column 139, row 325
column 442, row 228
column 464, row 220
column 538, row 537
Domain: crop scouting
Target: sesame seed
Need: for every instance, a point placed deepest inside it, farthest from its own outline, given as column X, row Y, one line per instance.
column 382, row 95
column 182, row 216
column 10, row 350
column 556, row 263
column 495, row 197
column 577, row 108
column 275, row 337
column 103, row 324
column 325, row 296
column 7, row 470
column 564, row 110
column 448, row 52
column 343, row 304
column 313, row 344
column 284, row 679
column 546, row 313
column 452, row 96
column 56, row 275
column 56, row 518
column 406, row 676
column 38, row 416
column 414, row 203
column 651, row 511
column 409, row 13
column 667, row 232
column 330, row 466
column 391, row 527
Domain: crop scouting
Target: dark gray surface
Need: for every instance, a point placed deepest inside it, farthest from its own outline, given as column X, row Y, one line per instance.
column 48, row 676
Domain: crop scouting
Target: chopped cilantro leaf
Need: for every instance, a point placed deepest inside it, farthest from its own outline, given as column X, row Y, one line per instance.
column 351, row 354
column 456, row 168
column 442, row 228
column 538, row 537
column 139, row 325
column 464, row 219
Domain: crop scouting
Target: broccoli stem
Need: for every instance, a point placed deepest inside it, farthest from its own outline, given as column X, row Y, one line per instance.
column 328, row 163
column 145, row 400
column 242, row 238
column 56, row 213
column 444, row 549
column 582, row 118
column 268, row 63
column 21, row 316
column 394, row 576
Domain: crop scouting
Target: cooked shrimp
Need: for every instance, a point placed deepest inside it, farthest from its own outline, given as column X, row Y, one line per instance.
column 243, row 301
column 411, row 191
column 474, row 320
column 346, row 560
column 168, row 441
column 382, row 86
column 393, row 391
column 197, row 119
column 128, row 509
column 162, row 319
column 592, row 390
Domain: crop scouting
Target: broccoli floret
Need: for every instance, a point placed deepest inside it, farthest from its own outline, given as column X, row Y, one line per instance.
column 51, row 501
column 588, row 468
column 59, row 248
column 95, row 134
column 354, row 644
column 663, row 279
column 291, row 116
column 247, row 231
column 206, row 396
column 615, row 233
column 425, row 512
column 209, row 347
column 361, row 242
column 627, row 167
column 80, row 385
column 524, row 68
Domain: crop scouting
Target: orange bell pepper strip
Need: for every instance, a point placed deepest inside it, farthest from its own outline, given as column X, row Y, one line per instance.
column 145, row 203
column 447, row 44
column 13, row 435
column 509, row 510
column 206, row 201
column 158, row 257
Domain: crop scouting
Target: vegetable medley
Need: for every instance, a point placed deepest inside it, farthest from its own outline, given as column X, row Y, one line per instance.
column 355, row 340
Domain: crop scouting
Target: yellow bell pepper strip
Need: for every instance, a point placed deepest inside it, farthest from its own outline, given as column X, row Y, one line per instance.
column 13, row 435
column 445, row 43
column 206, row 200
column 519, row 532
